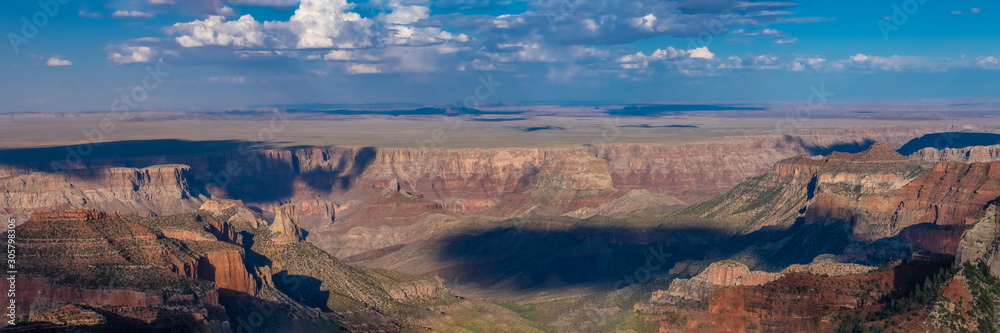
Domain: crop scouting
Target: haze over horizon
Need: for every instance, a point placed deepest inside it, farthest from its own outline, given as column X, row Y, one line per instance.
column 83, row 55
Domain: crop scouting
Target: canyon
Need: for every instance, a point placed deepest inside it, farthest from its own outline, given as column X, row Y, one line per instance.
column 716, row 233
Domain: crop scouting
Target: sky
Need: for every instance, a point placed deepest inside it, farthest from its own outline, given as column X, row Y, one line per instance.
column 98, row 55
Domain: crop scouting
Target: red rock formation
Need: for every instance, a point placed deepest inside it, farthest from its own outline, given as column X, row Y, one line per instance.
column 794, row 303
column 879, row 192
column 148, row 191
column 285, row 228
column 226, row 269
column 111, row 261
column 714, row 277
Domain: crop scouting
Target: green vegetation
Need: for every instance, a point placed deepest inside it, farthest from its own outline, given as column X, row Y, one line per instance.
column 985, row 290
column 526, row 311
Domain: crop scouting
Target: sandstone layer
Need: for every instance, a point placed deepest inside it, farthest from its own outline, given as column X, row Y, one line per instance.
column 879, row 193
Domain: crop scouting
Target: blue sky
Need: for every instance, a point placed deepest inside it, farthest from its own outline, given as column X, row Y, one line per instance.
column 216, row 54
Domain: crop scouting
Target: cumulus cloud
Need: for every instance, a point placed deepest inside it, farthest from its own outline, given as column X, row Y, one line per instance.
column 405, row 35
column 131, row 13
column 988, row 62
column 617, row 22
column 226, row 11
column 57, row 61
column 328, row 24
column 956, row 12
column 319, row 24
column 701, row 52
column 641, row 60
column 133, row 54
column 816, row 61
column 975, row 10
column 214, row 30
column 362, row 69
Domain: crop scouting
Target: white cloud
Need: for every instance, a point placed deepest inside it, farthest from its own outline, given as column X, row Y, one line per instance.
column 647, row 22
column 319, row 24
column 816, row 62
column 328, row 24
column 891, row 63
column 404, row 35
column 362, row 69
column 132, row 54
column 406, row 14
column 244, row 32
column 226, row 11
column 701, row 52
column 131, row 13
column 975, row 11
column 641, row 60
column 956, row 12
column 988, row 62
column 57, row 61
column 797, row 66
column 348, row 55
column 765, row 60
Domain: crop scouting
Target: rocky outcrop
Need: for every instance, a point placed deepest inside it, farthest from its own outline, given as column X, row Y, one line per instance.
column 182, row 269
column 714, row 277
column 981, row 243
column 798, row 302
column 39, row 298
column 162, row 189
column 286, row 226
column 878, row 192
column 112, row 261
column 225, row 268
column 964, row 155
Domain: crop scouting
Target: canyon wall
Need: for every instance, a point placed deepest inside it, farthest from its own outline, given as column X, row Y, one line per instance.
column 878, row 192
column 338, row 189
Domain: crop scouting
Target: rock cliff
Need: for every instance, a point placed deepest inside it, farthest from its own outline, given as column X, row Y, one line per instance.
column 155, row 190
column 879, row 193
column 714, row 277
column 286, row 226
